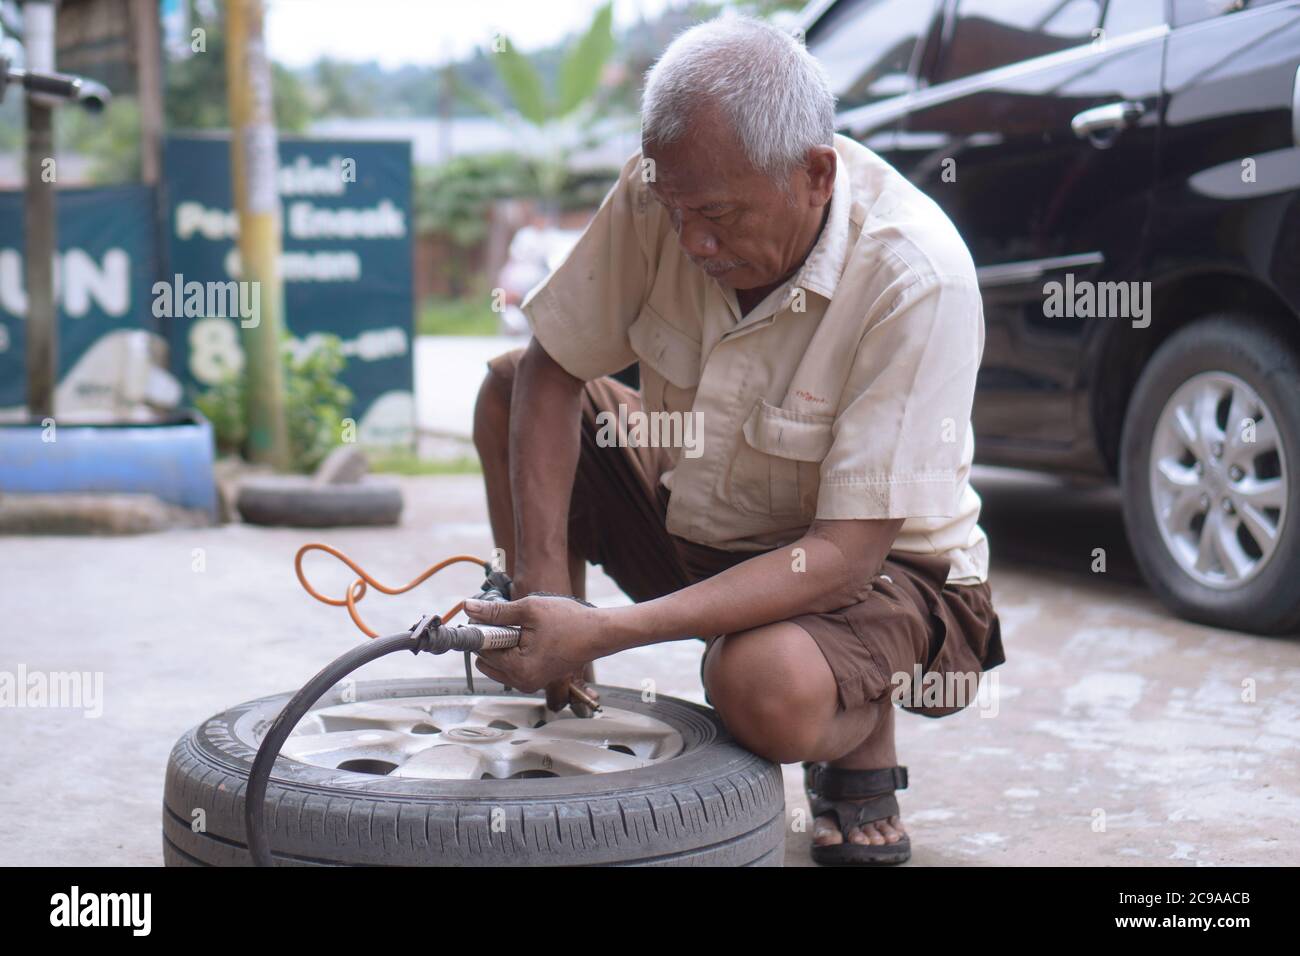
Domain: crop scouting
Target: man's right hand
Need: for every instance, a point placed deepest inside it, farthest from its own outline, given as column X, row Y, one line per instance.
column 558, row 695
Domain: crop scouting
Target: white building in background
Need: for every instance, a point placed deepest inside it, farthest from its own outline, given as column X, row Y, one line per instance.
column 434, row 140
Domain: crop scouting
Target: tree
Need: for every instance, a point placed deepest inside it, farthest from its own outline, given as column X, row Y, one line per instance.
column 560, row 120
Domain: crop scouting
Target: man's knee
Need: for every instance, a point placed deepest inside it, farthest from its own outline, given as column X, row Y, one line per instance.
column 492, row 407
column 773, row 690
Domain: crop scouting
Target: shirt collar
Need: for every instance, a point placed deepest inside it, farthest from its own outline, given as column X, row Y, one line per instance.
column 822, row 269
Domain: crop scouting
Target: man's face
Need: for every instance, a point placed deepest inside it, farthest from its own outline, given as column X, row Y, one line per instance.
column 731, row 220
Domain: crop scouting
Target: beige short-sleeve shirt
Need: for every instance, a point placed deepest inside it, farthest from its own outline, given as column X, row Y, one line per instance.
column 845, row 394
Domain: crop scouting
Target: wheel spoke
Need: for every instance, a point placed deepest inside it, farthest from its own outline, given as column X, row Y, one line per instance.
column 1185, row 428
column 1236, row 563
column 644, row 737
column 334, row 748
column 1261, row 528
column 1207, row 425
column 1266, row 437
column 1241, row 411
column 1207, row 556
column 1183, row 488
column 366, row 714
column 521, row 712
column 1261, row 493
column 445, row 762
column 575, row 756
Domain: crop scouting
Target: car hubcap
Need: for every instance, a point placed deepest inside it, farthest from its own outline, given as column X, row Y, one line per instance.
column 1218, row 480
column 477, row 738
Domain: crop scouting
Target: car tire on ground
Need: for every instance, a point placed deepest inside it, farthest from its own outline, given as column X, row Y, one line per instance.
column 713, row 803
column 1210, row 472
column 299, row 502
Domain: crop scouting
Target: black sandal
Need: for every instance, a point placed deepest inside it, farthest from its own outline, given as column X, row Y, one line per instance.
column 831, row 791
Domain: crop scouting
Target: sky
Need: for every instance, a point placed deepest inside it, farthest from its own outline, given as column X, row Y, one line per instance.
column 425, row 32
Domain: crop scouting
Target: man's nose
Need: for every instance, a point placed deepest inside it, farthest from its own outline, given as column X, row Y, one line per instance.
column 697, row 240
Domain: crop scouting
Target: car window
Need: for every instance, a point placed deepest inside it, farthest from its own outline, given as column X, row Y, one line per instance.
column 993, row 33
column 1194, row 11
column 1129, row 16
column 866, row 47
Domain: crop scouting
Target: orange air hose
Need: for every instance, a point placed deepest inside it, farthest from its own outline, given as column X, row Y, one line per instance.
column 357, row 589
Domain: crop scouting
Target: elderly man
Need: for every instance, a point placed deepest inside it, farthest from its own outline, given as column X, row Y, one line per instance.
column 811, row 326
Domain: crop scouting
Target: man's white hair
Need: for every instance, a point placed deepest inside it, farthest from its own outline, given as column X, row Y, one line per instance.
column 765, row 82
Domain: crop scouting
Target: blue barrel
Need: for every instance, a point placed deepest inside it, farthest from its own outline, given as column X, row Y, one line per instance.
column 171, row 460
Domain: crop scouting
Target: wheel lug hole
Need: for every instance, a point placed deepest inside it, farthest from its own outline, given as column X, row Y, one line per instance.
column 1235, row 473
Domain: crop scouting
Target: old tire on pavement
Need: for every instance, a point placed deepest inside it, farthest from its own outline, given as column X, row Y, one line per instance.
column 692, row 795
column 299, row 502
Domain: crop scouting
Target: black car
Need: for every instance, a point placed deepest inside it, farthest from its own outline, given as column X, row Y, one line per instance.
column 1127, row 176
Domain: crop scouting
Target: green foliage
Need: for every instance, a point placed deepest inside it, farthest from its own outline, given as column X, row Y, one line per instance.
column 405, row 463
column 581, row 68
column 315, row 404
column 225, row 407
column 453, row 199
column 524, row 84
column 578, row 80
column 579, row 73
column 342, row 89
column 468, row 315
column 110, row 139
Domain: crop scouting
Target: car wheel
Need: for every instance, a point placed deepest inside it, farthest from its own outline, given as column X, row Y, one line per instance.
column 1210, row 470
column 418, row 772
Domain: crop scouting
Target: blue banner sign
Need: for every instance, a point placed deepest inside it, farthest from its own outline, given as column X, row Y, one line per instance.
column 346, row 222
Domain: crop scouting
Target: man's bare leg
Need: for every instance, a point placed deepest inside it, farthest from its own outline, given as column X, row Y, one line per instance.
column 778, row 697
column 492, row 440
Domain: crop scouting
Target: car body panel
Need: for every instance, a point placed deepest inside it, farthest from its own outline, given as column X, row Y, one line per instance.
column 1162, row 200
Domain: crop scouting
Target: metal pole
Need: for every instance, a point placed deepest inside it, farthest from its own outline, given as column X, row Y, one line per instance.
column 148, row 75
column 255, row 165
column 42, row 333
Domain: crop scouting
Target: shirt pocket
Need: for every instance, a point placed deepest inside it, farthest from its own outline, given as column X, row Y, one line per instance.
column 777, row 466
column 670, row 362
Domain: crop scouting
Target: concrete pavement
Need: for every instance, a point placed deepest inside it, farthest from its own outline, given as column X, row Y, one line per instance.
column 1121, row 736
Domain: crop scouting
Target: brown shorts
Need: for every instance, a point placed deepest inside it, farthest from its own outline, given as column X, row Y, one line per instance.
column 911, row 623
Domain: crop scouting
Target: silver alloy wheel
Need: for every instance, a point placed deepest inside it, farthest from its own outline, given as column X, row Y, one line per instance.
column 1218, row 480
column 474, row 738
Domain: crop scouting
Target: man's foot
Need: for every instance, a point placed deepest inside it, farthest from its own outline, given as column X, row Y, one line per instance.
column 857, row 820
column 826, row 832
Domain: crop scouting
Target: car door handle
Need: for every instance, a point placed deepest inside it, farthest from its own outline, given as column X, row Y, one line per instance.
column 1295, row 108
column 1103, row 119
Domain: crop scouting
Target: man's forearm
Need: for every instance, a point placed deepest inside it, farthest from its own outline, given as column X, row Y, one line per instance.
column 545, row 420
column 831, row 572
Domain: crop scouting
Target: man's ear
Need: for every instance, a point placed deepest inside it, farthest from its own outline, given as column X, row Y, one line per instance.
column 820, row 170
